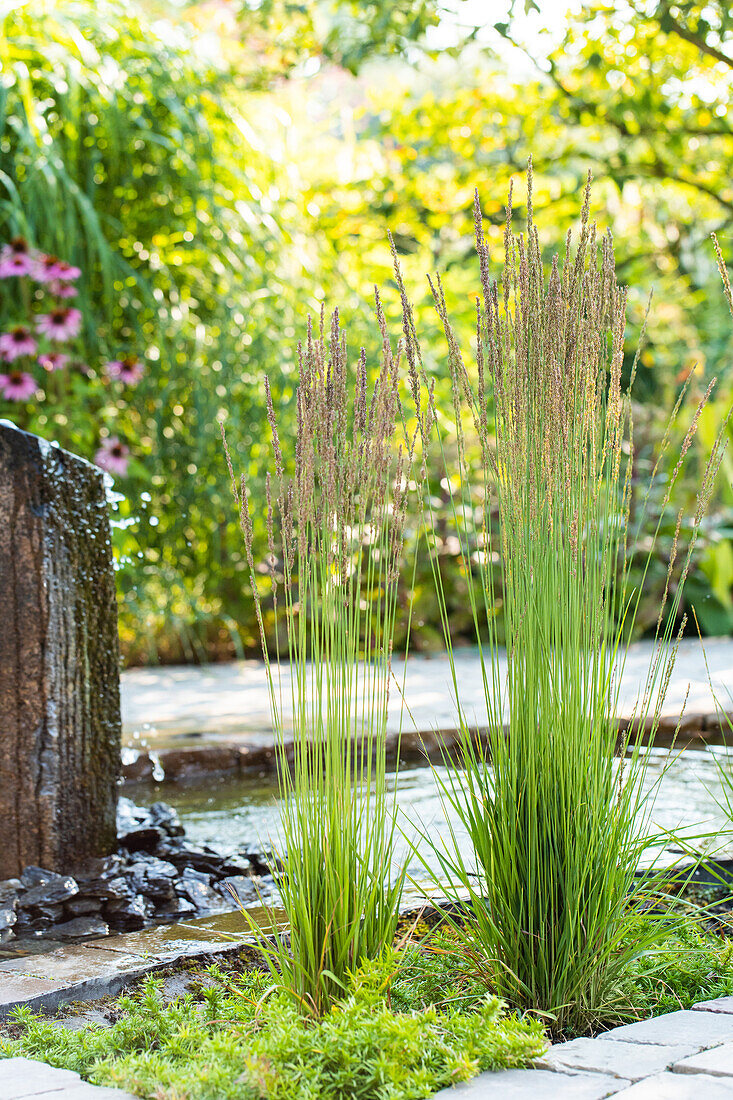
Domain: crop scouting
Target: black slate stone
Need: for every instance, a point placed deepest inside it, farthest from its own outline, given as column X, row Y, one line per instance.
column 9, row 890
column 37, row 876
column 203, row 897
column 145, row 840
column 81, row 928
column 58, row 889
column 175, row 909
column 129, row 915
column 82, row 907
column 241, row 885
column 8, row 918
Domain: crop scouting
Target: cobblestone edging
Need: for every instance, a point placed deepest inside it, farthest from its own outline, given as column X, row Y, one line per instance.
column 685, row 1055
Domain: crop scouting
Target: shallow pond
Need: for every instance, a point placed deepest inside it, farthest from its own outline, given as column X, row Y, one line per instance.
column 246, row 812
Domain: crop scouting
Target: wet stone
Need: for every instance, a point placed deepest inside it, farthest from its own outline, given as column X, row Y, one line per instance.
column 141, row 840
column 58, row 889
column 240, row 885
column 37, row 876
column 129, row 915
column 81, row 928
column 82, row 907
column 9, row 890
column 176, row 909
column 202, row 896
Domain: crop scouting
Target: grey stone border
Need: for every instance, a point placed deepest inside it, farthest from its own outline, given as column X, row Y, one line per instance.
column 177, row 765
column 684, row 1055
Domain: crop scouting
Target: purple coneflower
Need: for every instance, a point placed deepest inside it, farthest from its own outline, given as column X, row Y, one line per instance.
column 62, row 290
column 17, row 385
column 19, row 341
column 129, row 370
column 47, row 269
column 113, row 456
column 62, row 323
column 53, row 360
column 16, row 258
column 67, row 272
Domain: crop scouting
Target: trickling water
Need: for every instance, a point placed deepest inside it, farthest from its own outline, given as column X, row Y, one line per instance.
column 246, row 812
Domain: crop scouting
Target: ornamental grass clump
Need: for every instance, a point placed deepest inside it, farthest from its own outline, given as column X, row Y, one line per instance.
column 555, row 915
column 335, row 542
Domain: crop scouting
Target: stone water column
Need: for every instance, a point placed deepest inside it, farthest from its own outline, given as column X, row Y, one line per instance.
column 59, row 663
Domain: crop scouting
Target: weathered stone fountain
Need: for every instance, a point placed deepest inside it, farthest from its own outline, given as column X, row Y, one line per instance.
column 59, row 674
column 75, row 862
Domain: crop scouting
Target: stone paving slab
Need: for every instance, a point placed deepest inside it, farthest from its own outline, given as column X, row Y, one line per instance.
column 686, row 1028
column 22, row 1078
column 718, row 1062
column 232, row 700
column 674, row 1086
column 720, row 1004
column 685, row 1055
column 104, row 967
column 632, row 1061
column 534, row 1084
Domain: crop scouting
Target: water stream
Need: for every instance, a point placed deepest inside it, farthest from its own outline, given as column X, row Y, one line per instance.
column 231, row 814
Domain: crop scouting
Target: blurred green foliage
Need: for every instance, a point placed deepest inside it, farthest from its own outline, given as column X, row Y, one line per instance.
column 219, row 170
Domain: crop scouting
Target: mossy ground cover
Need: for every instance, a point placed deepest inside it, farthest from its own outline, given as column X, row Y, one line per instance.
column 414, row 1022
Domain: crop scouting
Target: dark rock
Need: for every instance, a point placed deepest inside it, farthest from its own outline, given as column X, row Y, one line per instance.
column 141, row 840
column 107, row 867
column 37, row 876
column 166, row 818
column 141, row 767
column 175, row 909
column 9, row 890
column 108, row 889
column 81, row 928
column 203, row 897
column 155, row 879
column 262, row 863
column 8, row 918
column 236, row 866
column 32, row 924
column 178, row 764
column 57, row 890
column 53, row 912
column 82, row 907
column 200, row 859
column 130, row 914
column 196, row 876
column 241, row 885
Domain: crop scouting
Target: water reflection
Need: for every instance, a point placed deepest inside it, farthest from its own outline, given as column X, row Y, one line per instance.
column 246, row 812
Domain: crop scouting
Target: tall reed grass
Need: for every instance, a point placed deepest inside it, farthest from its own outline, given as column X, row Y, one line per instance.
column 335, row 542
column 557, row 829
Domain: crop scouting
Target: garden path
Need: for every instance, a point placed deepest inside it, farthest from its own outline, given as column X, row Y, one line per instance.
column 231, row 701
column 685, row 1055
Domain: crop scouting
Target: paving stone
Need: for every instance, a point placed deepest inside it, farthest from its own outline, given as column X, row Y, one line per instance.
column 25, row 1079
column 629, row 1060
column 678, row 1086
column 21, row 989
column 534, row 1084
column 720, row 1004
column 85, row 1091
column 21, row 1077
column 70, row 964
column 683, row 1028
column 718, row 1062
